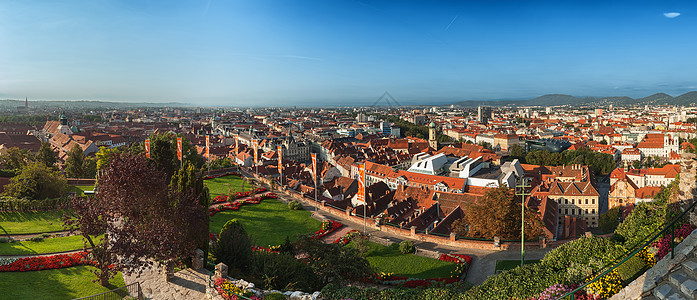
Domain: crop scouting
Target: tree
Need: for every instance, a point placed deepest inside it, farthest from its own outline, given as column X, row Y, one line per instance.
column 610, row 220
column 163, row 152
column 516, row 151
column 346, row 263
column 142, row 220
column 234, row 246
column 37, row 181
column 47, row 156
column 104, row 155
column 498, row 214
column 188, row 180
column 74, row 162
column 14, row 159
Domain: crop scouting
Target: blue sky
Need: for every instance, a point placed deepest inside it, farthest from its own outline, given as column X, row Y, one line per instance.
column 336, row 52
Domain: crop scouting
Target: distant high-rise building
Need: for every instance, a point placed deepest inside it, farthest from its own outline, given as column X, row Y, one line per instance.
column 484, row 114
column 386, row 128
column 548, row 110
column 361, row 118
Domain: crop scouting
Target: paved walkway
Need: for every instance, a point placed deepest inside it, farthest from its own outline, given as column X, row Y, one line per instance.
column 186, row 284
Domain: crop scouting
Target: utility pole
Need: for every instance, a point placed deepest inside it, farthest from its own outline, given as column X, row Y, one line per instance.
column 521, row 187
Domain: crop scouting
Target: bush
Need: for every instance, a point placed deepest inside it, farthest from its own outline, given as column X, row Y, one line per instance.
column 234, row 246
column 610, row 220
column 523, row 282
column 36, row 239
column 631, row 268
column 295, row 205
column 6, row 240
column 287, row 247
column 407, row 247
column 275, row 296
column 281, row 271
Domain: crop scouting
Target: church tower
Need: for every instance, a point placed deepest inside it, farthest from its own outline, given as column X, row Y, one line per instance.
column 432, row 142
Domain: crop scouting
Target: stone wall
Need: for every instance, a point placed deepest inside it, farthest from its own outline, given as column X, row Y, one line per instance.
column 688, row 183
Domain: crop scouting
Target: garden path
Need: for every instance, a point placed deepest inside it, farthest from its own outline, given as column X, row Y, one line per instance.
column 186, row 284
column 330, row 238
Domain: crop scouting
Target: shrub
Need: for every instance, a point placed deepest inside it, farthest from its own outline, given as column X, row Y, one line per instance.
column 295, row 205
column 4, row 240
column 630, row 268
column 275, row 296
column 36, row 239
column 281, row 271
column 46, row 235
column 407, row 247
column 234, row 246
column 523, row 282
column 287, row 247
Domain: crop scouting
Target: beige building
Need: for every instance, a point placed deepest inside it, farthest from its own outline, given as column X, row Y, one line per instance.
column 576, row 199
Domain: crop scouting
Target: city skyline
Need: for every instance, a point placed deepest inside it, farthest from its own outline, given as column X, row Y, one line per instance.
column 327, row 53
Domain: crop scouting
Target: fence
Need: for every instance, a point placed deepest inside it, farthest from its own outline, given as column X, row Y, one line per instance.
column 132, row 290
column 670, row 226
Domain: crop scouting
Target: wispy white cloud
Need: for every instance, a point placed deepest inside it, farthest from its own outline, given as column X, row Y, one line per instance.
column 671, row 15
column 451, row 22
column 301, row 57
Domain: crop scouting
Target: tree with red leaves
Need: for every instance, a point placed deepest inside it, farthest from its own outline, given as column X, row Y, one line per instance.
column 142, row 221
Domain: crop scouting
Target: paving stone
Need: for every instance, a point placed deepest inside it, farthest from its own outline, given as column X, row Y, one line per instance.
column 689, row 287
column 690, row 266
column 678, row 277
column 663, row 291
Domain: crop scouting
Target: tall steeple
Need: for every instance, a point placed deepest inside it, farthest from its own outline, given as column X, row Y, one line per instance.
column 432, row 142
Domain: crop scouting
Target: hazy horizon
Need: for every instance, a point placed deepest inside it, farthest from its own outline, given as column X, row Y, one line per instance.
column 326, row 53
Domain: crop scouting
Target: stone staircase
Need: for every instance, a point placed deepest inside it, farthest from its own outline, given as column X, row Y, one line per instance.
column 673, row 279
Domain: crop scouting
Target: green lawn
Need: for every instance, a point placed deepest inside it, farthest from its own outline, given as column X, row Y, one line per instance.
column 46, row 246
column 390, row 260
column 81, row 188
column 503, row 265
column 66, row 283
column 268, row 222
column 30, row 222
column 219, row 186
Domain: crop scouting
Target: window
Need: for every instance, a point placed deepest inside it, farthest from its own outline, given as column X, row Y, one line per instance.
column 586, row 201
column 593, row 211
column 572, row 201
column 560, row 211
column 573, row 211
column 593, row 201
column 566, row 211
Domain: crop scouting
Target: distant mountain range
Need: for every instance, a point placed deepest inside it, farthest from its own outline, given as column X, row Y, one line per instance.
column 12, row 104
column 560, row 99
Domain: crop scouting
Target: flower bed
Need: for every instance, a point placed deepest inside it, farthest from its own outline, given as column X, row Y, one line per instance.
column 230, row 291
column 347, row 237
column 220, row 175
column 273, row 249
column 38, row 263
column 237, row 204
column 326, row 228
column 220, row 199
column 463, row 263
column 663, row 245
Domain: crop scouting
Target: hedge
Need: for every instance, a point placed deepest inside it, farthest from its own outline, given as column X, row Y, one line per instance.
column 11, row 204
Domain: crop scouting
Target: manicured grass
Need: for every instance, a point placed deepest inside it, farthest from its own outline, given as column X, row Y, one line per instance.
column 390, row 260
column 30, row 222
column 66, row 283
column 46, row 246
column 503, row 265
column 219, row 186
column 269, row 222
column 80, row 188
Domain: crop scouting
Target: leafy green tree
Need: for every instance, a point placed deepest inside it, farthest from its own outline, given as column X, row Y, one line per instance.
column 610, row 220
column 89, row 167
column 104, row 155
column 47, row 156
column 498, row 214
column 163, row 152
column 14, row 159
column 37, row 181
column 74, row 162
column 234, row 246
column 516, row 151
column 346, row 263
